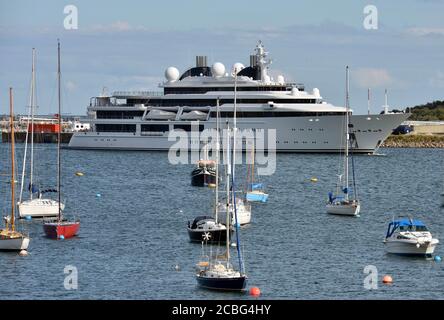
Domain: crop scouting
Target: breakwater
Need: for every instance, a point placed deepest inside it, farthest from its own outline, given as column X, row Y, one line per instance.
column 414, row 141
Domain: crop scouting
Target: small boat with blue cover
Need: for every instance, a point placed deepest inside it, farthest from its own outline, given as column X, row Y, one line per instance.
column 406, row 236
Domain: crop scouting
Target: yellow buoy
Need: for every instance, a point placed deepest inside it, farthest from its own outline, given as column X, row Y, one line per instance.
column 79, row 174
column 211, row 185
column 314, row 179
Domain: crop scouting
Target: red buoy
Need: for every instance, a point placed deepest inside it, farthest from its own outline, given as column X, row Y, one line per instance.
column 387, row 279
column 255, row 292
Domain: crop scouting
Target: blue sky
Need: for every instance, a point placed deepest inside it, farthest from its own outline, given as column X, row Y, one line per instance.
column 126, row 45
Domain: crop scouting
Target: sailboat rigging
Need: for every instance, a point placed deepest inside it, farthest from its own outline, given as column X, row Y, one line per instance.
column 243, row 208
column 207, row 226
column 218, row 273
column 345, row 204
column 40, row 206
column 60, row 228
column 10, row 238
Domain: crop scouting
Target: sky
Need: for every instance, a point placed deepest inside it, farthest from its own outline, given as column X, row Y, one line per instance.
column 127, row 45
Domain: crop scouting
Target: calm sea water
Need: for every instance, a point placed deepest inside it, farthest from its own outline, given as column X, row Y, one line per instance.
column 132, row 236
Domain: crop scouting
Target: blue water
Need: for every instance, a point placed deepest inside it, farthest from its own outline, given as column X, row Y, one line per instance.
column 132, row 236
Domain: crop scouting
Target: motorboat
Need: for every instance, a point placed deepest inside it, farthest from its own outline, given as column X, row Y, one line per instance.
column 407, row 236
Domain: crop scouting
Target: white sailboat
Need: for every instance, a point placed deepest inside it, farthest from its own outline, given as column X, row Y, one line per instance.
column 341, row 203
column 37, row 206
column 10, row 238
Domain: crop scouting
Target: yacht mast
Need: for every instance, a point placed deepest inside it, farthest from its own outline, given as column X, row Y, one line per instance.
column 234, row 125
column 27, row 130
column 59, row 132
column 227, row 183
column 346, row 132
column 32, row 120
column 216, row 217
column 11, row 111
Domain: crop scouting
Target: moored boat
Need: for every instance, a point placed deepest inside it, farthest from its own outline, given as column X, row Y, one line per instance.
column 38, row 205
column 342, row 202
column 217, row 273
column 407, row 236
column 204, row 174
column 60, row 228
column 205, row 228
column 10, row 238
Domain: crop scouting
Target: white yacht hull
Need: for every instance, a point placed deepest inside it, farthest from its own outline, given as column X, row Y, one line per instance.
column 39, row 208
column 243, row 214
column 15, row 244
column 406, row 247
column 293, row 134
column 344, row 209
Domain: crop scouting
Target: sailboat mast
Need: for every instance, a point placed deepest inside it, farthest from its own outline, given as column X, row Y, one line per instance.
column 11, row 111
column 227, row 183
column 252, row 165
column 216, row 216
column 233, row 169
column 347, row 140
column 32, row 119
column 59, row 131
column 234, row 123
column 27, row 131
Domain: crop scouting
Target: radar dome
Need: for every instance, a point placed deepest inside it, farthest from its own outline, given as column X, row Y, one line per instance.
column 237, row 67
column 171, row 74
column 316, row 92
column 280, row 79
column 218, row 69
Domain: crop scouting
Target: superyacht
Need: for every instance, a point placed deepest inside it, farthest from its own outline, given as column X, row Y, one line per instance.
column 302, row 121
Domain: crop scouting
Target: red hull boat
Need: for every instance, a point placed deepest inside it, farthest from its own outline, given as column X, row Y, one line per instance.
column 56, row 230
column 60, row 228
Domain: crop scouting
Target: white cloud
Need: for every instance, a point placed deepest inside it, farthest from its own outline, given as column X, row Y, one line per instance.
column 372, row 77
column 425, row 31
column 118, row 26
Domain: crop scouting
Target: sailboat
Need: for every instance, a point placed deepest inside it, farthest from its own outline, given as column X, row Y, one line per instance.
column 218, row 273
column 10, row 238
column 341, row 203
column 60, row 228
column 208, row 227
column 256, row 192
column 37, row 205
column 205, row 172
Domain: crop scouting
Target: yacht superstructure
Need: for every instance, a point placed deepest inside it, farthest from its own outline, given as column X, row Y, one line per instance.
column 303, row 121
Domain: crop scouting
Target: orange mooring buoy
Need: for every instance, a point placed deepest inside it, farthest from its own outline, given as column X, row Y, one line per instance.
column 387, row 279
column 255, row 292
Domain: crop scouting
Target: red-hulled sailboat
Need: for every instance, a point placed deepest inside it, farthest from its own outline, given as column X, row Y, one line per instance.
column 60, row 228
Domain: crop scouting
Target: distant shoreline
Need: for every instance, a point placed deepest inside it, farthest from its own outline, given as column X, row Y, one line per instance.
column 414, row 141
